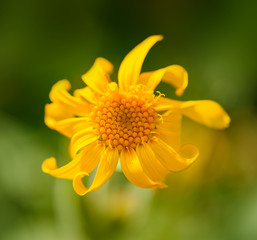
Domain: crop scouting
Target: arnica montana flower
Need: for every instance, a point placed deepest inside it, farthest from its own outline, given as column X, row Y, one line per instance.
column 107, row 122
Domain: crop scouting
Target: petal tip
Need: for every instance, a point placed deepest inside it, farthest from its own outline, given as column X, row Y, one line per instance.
column 106, row 65
column 78, row 185
column 49, row 164
column 179, row 92
column 157, row 37
column 162, row 185
column 227, row 121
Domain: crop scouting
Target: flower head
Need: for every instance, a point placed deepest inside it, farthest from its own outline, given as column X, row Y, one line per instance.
column 106, row 121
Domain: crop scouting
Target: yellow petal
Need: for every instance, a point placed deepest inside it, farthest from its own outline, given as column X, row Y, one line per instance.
column 57, row 117
column 150, row 164
column 68, row 171
column 75, row 106
column 134, row 172
column 105, row 169
column 206, row 112
column 130, row 67
column 88, row 94
column 81, row 139
column 171, row 159
column 85, row 161
column 97, row 77
column 175, row 75
column 169, row 129
column 70, row 126
column 92, row 157
column 164, row 104
column 54, row 112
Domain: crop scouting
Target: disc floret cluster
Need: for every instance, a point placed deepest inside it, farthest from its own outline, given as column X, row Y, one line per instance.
column 124, row 121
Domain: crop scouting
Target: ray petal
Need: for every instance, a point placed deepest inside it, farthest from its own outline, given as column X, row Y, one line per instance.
column 86, row 161
column 171, row 159
column 105, row 169
column 130, row 67
column 133, row 171
column 175, row 75
column 97, row 77
column 72, row 105
column 81, row 139
column 206, row 112
column 150, row 164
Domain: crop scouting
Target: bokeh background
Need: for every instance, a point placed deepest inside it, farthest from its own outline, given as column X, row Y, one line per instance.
column 44, row 41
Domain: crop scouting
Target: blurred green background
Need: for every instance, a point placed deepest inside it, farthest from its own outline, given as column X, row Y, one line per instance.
column 44, row 41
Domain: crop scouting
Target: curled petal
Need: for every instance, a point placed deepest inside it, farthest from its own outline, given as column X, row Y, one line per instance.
column 130, row 67
column 58, row 119
column 49, row 165
column 87, row 93
column 60, row 114
column 133, row 171
column 70, row 126
column 75, row 106
column 68, row 171
column 85, row 161
column 150, row 164
column 105, row 169
column 171, row 159
column 78, row 185
column 97, row 77
column 93, row 155
column 81, row 139
column 189, row 152
column 175, row 75
column 54, row 112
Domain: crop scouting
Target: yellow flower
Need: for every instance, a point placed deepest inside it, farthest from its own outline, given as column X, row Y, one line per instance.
column 106, row 122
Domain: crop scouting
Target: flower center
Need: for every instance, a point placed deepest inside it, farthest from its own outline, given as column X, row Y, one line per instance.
column 123, row 121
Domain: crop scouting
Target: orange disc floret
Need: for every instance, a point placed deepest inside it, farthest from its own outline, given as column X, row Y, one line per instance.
column 123, row 121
